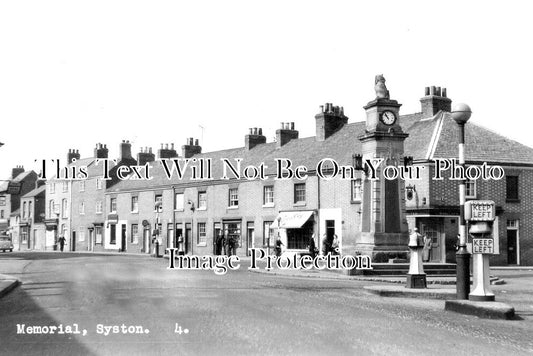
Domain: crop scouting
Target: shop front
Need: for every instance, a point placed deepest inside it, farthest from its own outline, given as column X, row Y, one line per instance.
column 232, row 234
column 50, row 234
column 295, row 229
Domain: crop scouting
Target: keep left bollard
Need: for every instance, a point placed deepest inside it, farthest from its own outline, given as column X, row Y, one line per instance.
column 416, row 277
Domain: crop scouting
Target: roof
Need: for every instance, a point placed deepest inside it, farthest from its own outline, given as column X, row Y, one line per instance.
column 434, row 137
column 438, row 137
column 22, row 176
column 35, row 192
column 93, row 169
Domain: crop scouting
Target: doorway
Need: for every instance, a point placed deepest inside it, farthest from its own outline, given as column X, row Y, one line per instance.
column 123, row 238
column 512, row 242
column 330, row 231
column 146, row 239
column 91, row 240
column 73, row 242
column 250, row 234
column 178, row 234
column 188, row 238
column 434, row 231
column 216, row 234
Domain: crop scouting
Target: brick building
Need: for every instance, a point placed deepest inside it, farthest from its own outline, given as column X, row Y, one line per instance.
column 432, row 204
column 75, row 207
column 11, row 192
column 31, row 228
column 368, row 216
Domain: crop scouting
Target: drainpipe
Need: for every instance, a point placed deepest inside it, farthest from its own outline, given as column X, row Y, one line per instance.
column 318, row 213
column 174, row 237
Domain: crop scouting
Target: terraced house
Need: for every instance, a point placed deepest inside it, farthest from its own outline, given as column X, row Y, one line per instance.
column 369, row 216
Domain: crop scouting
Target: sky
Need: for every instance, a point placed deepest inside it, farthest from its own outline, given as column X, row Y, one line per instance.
column 77, row 73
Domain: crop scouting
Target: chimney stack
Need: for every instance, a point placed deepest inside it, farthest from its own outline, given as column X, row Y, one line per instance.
column 125, row 151
column 73, row 154
column 285, row 134
column 145, row 156
column 435, row 99
column 101, row 151
column 329, row 120
column 191, row 148
column 254, row 138
column 16, row 171
column 166, row 152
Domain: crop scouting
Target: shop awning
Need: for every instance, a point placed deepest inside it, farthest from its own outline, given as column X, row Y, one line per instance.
column 292, row 219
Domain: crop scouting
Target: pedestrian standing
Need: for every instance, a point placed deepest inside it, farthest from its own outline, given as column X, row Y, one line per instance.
column 312, row 246
column 278, row 246
column 426, row 252
column 181, row 250
column 335, row 245
column 326, row 245
column 231, row 246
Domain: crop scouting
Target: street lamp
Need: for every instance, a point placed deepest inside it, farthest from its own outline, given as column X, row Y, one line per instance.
column 461, row 113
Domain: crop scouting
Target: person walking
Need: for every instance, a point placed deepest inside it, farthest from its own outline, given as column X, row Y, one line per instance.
column 61, row 241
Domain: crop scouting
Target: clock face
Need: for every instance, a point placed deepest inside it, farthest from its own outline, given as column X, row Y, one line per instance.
column 388, row 117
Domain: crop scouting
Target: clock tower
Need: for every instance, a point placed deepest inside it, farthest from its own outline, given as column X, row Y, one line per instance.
column 384, row 231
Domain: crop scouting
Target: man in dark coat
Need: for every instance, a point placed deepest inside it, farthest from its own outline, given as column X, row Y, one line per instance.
column 61, row 241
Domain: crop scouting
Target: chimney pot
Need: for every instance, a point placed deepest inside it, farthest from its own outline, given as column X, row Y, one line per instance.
column 432, row 90
column 166, row 146
column 261, row 131
column 444, row 92
column 426, row 91
column 196, row 143
column 172, row 146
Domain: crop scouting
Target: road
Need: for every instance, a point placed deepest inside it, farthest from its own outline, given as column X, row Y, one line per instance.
column 240, row 313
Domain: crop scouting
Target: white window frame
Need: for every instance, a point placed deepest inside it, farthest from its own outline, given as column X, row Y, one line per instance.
column 204, row 200
column 299, row 185
column 469, row 186
column 99, row 207
column 357, row 185
column 268, row 195
column 179, row 201
column 202, row 234
column 233, row 197
column 113, row 205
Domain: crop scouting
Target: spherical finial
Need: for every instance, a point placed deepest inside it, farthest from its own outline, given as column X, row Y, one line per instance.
column 461, row 113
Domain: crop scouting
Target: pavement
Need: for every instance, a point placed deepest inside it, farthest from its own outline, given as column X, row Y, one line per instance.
column 438, row 287
column 239, row 312
column 7, row 284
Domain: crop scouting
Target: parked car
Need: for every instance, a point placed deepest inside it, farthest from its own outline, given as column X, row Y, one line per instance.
column 6, row 244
